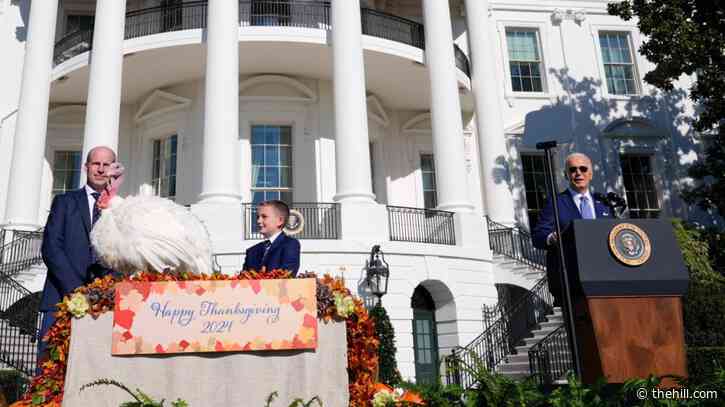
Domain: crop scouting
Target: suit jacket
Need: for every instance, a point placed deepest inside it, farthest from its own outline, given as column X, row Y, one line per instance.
column 66, row 247
column 568, row 211
column 283, row 254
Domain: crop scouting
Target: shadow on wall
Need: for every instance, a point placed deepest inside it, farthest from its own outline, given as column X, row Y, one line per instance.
column 584, row 121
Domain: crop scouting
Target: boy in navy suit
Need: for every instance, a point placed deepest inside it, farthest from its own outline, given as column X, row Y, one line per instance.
column 576, row 202
column 277, row 250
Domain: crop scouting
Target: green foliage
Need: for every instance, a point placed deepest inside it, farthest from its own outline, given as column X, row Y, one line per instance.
column 688, row 37
column 703, row 363
column 12, row 384
column 704, row 308
column 695, row 251
column 141, row 399
column 577, row 394
column 498, row 390
column 298, row 402
column 389, row 373
column 438, row 394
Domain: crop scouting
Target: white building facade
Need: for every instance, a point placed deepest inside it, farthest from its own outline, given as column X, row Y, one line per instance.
column 400, row 123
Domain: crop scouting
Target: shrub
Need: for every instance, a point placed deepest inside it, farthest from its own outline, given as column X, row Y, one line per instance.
column 388, row 366
column 703, row 362
column 13, row 384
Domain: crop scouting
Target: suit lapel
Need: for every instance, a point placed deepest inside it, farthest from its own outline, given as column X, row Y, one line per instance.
column 277, row 243
column 569, row 200
column 82, row 201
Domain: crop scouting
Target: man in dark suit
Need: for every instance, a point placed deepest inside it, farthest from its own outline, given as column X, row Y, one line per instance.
column 277, row 250
column 576, row 202
column 66, row 248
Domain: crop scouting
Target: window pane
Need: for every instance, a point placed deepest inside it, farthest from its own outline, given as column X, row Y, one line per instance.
column 618, row 65
column 639, row 185
column 257, row 155
column 257, row 134
column 271, row 155
column 272, row 162
column 271, row 135
column 285, row 155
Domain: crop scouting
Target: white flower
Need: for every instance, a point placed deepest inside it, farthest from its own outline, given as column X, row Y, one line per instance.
column 78, row 305
column 383, row 398
column 345, row 305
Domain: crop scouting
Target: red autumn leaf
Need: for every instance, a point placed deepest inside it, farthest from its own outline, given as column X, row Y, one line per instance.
column 218, row 346
column 124, row 318
column 200, row 290
column 298, row 304
column 256, row 286
column 310, row 321
column 126, row 336
column 183, row 344
column 159, row 349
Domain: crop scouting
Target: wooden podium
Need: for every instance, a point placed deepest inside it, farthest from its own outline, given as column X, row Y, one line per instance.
column 627, row 279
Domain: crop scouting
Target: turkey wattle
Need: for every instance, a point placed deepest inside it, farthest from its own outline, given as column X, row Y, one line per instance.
column 146, row 232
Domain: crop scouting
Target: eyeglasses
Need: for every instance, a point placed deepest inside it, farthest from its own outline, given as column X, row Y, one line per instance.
column 581, row 169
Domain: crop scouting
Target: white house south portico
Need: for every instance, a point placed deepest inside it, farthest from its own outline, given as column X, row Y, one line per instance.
column 407, row 124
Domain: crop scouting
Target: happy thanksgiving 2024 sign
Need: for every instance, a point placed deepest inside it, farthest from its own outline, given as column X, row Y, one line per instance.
column 214, row 316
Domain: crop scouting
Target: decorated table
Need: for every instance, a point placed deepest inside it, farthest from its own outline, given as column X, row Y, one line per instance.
column 89, row 342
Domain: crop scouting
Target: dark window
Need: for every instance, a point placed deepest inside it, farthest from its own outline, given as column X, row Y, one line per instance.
column 75, row 22
column 428, row 172
column 66, row 171
column 163, row 176
column 524, row 60
column 639, row 186
column 618, row 65
column 535, row 186
column 425, row 337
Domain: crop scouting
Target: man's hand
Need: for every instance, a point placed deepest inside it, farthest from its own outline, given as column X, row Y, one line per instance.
column 552, row 239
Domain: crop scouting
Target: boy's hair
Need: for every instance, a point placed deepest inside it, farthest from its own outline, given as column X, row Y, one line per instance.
column 279, row 206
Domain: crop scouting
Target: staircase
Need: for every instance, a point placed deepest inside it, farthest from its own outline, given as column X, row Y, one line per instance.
column 511, row 330
column 517, row 364
column 19, row 316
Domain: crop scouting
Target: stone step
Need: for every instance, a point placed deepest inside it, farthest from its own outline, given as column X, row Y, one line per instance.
column 513, row 367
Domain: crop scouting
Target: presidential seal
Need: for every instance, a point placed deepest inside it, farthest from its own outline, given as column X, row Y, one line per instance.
column 295, row 222
column 630, row 244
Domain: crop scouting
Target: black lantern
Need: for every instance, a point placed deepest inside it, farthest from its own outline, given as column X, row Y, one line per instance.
column 377, row 272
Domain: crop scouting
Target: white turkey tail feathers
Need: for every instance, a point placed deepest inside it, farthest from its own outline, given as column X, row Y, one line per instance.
column 148, row 232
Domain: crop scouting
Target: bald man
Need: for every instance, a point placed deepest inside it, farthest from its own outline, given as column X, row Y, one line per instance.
column 576, row 202
column 66, row 249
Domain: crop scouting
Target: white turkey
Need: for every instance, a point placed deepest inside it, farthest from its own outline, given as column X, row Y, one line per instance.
column 147, row 232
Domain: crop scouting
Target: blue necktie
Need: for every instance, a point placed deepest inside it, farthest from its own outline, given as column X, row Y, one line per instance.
column 96, row 209
column 267, row 245
column 586, row 208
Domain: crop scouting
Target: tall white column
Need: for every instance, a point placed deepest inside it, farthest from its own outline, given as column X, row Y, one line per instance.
column 103, row 107
column 222, row 167
column 497, row 198
column 445, row 108
column 26, row 168
column 351, row 116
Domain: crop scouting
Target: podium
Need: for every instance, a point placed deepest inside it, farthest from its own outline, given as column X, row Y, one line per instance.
column 627, row 278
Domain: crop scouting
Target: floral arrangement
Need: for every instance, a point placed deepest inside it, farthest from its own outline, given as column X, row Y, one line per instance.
column 334, row 302
column 387, row 396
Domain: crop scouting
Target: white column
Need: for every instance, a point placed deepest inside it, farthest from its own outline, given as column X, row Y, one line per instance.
column 351, row 116
column 222, row 167
column 497, row 198
column 103, row 107
column 446, row 119
column 26, row 168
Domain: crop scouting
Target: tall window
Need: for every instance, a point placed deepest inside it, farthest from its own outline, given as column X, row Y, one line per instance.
column 524, row 60
column 271, row 163
column 618, row 65
column 428, row 171
column 66, row 171
column 164, row 167
column 639, row 186
column 535, row 186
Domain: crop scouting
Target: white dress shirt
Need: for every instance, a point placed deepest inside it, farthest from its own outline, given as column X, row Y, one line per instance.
column 577, row 196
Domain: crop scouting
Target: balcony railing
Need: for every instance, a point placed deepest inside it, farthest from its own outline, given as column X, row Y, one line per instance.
column 321, row 220
column 550, row 359
column 302, row 14
column 421, row 225
column 515, row 244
